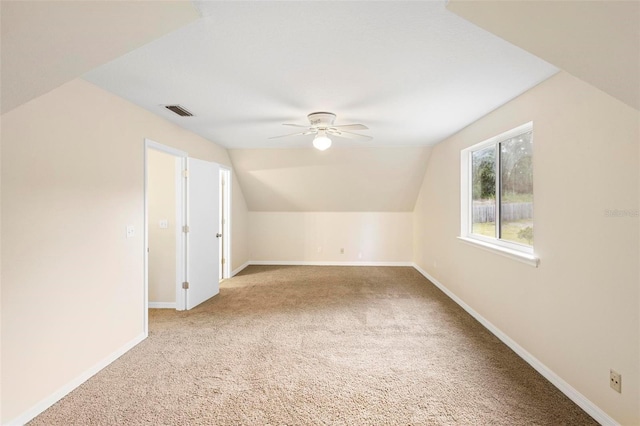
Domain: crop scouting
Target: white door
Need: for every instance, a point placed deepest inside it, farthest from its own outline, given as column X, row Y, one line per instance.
column 203, row 186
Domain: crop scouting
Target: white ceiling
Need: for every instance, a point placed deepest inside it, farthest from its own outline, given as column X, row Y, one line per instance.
column 48, row 43
column 413, row 72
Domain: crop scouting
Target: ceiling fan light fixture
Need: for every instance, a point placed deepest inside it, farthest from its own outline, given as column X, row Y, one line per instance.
column 321, row 142
column 321, row 125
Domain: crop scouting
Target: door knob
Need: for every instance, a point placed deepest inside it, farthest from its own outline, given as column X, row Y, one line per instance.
column 218, row 235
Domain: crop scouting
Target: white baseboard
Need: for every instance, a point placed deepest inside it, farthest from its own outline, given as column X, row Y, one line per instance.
column 41, row 406
column 325, row 263
column 239, row 268
column 162, row 305
column 589, row 407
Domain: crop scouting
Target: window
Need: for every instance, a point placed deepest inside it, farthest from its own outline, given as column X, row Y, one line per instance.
column 497, row 192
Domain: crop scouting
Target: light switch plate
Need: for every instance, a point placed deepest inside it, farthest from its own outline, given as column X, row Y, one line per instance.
column 131, row 231
column 163, row 223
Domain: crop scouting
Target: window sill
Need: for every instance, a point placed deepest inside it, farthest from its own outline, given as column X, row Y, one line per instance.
column 529, row 259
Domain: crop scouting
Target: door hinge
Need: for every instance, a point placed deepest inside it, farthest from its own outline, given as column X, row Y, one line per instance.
column 185, row 229
column 185, row 285
column 185, row 173
column 223, row 260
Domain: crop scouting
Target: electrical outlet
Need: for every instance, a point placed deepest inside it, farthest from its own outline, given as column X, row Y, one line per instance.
column 615, row 381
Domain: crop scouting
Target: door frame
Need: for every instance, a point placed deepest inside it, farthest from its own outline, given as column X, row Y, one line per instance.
column 225, row 196
column 181, row 159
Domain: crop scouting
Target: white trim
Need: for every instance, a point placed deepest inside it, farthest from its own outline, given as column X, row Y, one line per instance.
column 239, row 269
column 162, row 305
column 589, row 407
column 148, row 143
column 47, row 402
column 145, row 247
column 180, row 182
column 523, row 128
column 325, row 263
column 226, row 228
column 529, row 259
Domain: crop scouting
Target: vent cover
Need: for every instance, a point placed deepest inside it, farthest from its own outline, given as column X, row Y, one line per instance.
column 179, row 110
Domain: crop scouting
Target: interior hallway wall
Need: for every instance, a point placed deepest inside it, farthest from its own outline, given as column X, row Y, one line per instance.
column 162, row 198
column 239, row 226
column 578, row 312
column 72, row 283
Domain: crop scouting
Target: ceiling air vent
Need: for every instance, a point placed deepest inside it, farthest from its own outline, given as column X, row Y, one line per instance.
column 179, row 110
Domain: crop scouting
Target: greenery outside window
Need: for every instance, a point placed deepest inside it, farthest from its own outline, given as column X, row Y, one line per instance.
column 497, row 191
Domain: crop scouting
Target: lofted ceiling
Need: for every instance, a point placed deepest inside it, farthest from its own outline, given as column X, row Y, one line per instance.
column 347, row 179
column 48, row 43
column 413, row 72
column 597, row 41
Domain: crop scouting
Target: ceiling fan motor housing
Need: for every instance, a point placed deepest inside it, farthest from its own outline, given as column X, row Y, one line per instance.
column 321, row 125
column 321, row 119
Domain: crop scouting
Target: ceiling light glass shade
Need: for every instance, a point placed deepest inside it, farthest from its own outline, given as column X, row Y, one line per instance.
column 321, row 142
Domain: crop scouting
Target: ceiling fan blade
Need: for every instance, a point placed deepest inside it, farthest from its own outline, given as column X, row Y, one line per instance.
column 296, row 125
column 349, row 135
column 293, row 134
column 351, row 127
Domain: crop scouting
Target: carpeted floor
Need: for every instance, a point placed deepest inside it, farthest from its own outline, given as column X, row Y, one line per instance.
column 302, row 345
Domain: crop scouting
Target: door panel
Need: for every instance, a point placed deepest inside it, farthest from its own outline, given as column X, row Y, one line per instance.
column 203, row 186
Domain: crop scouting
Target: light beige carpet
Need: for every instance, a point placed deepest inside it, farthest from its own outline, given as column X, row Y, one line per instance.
column 318, row 346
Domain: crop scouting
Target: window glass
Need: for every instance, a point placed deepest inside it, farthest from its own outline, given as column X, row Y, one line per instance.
column 483, row 181
column 516, row 189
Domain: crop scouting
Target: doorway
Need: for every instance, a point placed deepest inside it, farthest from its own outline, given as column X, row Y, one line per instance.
column 183, row 201
column 164, row 216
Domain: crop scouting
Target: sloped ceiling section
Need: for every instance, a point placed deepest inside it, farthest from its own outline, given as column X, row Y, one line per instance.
column 339, row 179
column 596, row 41
column 48, row 43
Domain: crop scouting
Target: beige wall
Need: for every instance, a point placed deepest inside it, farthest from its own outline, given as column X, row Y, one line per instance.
column 318, row 236
column 48, row 43
column 72, row 180
column 161, row 199
column 578, row 313
column 239, row 226
column 600, row 39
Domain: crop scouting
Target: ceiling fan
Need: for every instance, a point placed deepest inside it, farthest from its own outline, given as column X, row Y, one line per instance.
column 321, row 125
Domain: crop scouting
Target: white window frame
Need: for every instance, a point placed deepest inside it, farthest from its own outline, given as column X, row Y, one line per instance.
column 513, row 250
